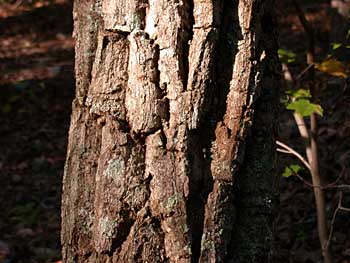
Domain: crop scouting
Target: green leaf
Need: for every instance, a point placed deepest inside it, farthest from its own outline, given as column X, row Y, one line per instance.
column 299, row 93
column 295, row 168
column 291, row 170
column 336, row 45
column 286, row 56
column 305, row 108
column 287, row 172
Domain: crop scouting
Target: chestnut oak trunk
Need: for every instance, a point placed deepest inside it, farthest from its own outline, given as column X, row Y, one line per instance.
column 171, row 146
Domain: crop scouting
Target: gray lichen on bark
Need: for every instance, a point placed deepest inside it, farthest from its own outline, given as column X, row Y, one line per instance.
column 123, row 15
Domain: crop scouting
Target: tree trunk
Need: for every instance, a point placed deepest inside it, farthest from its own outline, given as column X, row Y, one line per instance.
column 171, row 146
column 340, row 21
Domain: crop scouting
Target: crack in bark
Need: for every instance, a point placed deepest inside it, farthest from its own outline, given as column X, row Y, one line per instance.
column 86, row 27
column 199, row 93
column 200, row 183
column 230, row 135
column 121, row 237
column 186, row 43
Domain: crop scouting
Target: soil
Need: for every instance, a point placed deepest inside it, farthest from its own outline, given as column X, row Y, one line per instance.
column 37, row 88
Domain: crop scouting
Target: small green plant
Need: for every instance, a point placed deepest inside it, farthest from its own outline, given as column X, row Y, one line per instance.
column 303, row 102
column 300, row 103
column 291, row 170
column 286, row 56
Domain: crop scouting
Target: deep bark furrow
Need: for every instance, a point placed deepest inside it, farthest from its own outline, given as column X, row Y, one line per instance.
column 199, row 185
column 168, row 23
column 168, row 200
column 144, row 243
column 86, row 27
column 168, row 193
column 252, row 233
column 202, row 51
column 198, row 102
column 228, row 147
column 189, row 19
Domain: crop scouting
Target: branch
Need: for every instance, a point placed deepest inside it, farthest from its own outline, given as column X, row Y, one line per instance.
column 304, row 181
column 344, row 209
column 332, row 224
column 289, row 150
column 301, row 126
column 339, row 208
column 310, row 66
column 282, row 151
column 309, row 32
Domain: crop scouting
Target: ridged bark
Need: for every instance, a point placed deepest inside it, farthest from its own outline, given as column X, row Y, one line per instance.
column 171, row 146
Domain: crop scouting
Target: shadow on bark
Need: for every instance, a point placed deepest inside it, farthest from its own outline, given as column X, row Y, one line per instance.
column 200, row 140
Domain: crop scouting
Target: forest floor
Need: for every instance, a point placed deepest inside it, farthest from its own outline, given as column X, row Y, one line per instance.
column 37, row 88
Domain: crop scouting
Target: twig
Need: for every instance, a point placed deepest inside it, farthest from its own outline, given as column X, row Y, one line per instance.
column 304, row 133
column 18, row 3
column 282, row 151
column 301, row 126
column 312, row 144
column 339, row 208
column 329, row 186
column 332, row 223
column 289, row 150
column 344, row 209
column 334, row 184
column 309, row 32
column 310, row 66
column 287, row 74
column 304, row 181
